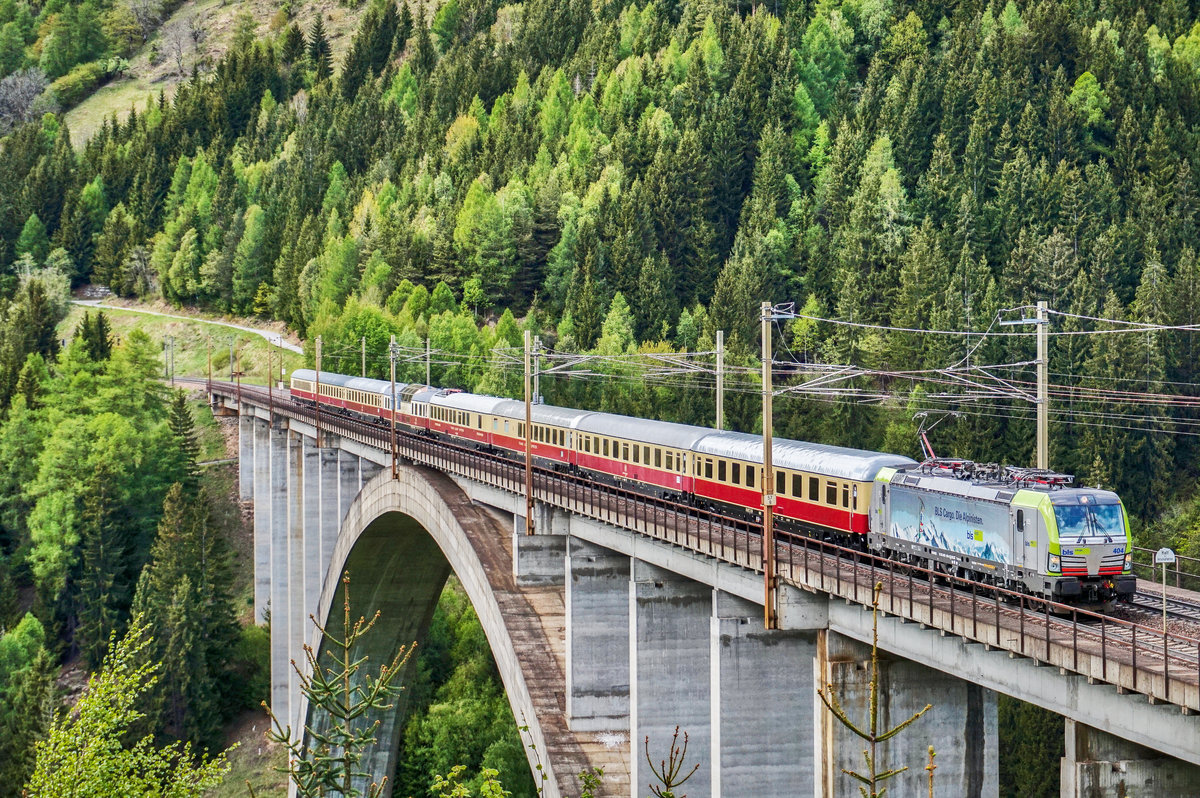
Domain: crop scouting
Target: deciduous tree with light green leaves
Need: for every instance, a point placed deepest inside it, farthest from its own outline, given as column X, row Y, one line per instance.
column 87, row 753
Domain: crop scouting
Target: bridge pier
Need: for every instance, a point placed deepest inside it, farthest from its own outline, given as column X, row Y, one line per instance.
column 262, row 519
column 597, row 637
column 297, row 507
column 245, row 456
column 961, row 726
column 279, row 573
column 762, row 738
column 669, row 672
column 538, row 558
column 1099, row 765
column 330, row 509
column 348, row 480
column 306, row 548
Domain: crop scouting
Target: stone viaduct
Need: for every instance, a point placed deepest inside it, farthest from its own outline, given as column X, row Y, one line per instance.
column 617, row 622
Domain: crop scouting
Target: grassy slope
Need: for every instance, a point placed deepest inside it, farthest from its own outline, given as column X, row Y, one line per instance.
column 144, row 80
column 192, row 338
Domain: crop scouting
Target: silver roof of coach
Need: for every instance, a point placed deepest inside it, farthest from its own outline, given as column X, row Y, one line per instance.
column 834, row 461
column 472, row 402
column 371, row 385
column 327, row 377
column 553, row 415
column 656, row 433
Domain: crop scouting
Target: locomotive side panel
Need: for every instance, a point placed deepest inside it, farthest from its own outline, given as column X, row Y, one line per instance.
column 965, row 526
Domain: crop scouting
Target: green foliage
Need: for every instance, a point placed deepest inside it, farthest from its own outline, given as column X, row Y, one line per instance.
column 183, row 592
column 87, row 752
column 902, row 165
column 459, row 723
column 343, row 699
column 78, row 83
column 28, row 700
column 1032, row 741
column 870, row 781
column 320, row 57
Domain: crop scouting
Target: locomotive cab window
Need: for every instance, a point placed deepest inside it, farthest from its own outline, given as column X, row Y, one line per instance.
column 1021, row 520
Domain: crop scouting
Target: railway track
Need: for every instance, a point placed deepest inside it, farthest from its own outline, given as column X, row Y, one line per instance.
column 1176, row 608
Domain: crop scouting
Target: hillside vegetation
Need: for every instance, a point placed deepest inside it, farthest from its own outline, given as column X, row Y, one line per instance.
column 649, row 173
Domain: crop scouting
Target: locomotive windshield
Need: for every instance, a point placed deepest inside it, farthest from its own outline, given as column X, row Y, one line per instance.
column 1090, row 520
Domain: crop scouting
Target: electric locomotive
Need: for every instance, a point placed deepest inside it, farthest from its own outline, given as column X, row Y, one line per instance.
column 1024, row 530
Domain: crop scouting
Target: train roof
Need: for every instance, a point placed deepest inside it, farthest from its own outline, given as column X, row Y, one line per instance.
column 834, row 461
column 370, row 385
column 995, row 490
column 553, row 415
column 424, row 394
column 472, row 402
column 327, row 377
column 657, row 433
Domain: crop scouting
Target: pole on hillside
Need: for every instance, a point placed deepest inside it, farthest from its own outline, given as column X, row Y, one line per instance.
column 392, row 371
column 208, row 379
column 1043, row 388
column 238, row 372
column 537, row 370
column 1042, row 322
column 720, row 379
column 528, row 433
column 768, row 476
column 364, row 356
column 428, row 383
column 231, row 358
column 317, row 396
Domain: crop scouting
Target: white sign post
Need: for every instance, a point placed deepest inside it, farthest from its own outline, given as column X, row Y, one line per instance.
column 1164, row 557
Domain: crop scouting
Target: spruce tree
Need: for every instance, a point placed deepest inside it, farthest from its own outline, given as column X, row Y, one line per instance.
column 344, row 704
column 184, row 594
column 183, row 429
column 320, row 56
column 294, row 46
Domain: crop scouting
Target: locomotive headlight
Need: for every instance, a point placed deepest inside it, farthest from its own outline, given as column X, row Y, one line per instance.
column 1054, row 565
column 1128, row 560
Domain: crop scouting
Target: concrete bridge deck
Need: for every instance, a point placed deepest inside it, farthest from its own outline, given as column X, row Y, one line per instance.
column 1104, row 674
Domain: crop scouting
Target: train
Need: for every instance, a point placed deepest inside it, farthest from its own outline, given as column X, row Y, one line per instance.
column 1021, row 529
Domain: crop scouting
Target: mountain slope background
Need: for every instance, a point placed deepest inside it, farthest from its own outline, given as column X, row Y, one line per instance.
column 644, row 174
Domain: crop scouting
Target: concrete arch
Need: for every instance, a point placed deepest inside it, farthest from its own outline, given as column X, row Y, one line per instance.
column 400, row 540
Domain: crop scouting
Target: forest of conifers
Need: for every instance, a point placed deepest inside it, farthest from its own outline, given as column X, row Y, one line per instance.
column 918, row 165
column 637, row 177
